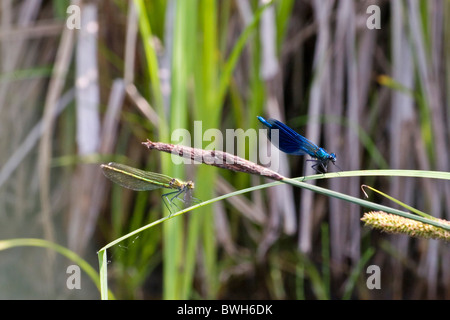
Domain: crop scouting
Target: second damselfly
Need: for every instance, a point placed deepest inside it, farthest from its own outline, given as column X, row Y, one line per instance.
column 140, row 180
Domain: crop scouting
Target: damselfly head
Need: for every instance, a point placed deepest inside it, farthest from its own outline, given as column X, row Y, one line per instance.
column 190, row 185
column 332, row 157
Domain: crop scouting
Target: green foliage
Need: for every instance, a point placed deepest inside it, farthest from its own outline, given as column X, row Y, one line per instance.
column 202, row 60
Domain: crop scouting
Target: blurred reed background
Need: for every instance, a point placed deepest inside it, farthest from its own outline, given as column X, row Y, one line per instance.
column 72, row 99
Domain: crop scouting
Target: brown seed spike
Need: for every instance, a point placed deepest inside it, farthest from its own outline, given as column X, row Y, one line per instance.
column 215, row 158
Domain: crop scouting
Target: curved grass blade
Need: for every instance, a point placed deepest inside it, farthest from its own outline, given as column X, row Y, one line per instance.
column 416, row 211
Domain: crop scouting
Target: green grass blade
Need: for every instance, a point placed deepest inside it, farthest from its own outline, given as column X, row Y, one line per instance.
column 365, row 203
column 184, row 46
column 416, row 211
column 237, row 50
column 299, row 182
column 317, row 283
column 103, row 268
column 295, row 182
column 351, row 281
column 153, row 67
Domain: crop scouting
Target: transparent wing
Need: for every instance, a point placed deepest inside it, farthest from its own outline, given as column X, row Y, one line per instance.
column 135, row 179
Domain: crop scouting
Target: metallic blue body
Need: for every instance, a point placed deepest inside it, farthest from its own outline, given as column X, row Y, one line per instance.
column 291, row 142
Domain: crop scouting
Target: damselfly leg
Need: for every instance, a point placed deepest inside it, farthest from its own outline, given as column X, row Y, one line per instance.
column 187, row 199
column 319, row 164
